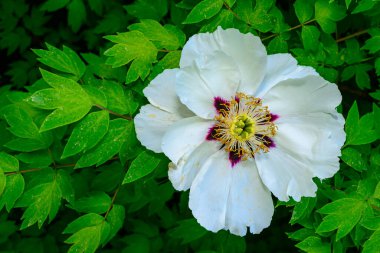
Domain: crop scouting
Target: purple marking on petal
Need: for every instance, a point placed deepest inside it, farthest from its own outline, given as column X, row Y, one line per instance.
column 220, row 104
column 234, row 158
column 273, row 117
column 211, row 133
column 269, row 142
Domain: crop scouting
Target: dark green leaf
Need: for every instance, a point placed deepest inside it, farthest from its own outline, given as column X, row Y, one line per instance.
column 118, row 132
column 143, row 165
column 97, row 202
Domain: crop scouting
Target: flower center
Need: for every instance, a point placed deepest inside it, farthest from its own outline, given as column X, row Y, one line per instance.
column 243, row 126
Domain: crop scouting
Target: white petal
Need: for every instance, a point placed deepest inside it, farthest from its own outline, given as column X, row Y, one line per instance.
column 183, row 174
column 246, row 50
column 209, row 192
column 228, row 198
column 284, row 175
column 301, row 96
column 281, row 67
column 161, row 93
column 151, row 124
column 209, row 76
column 314, row 139
column 250, row 203
column 184, row 136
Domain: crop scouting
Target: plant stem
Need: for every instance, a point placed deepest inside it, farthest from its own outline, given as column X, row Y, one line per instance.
column 114, row 113
column 352, row 35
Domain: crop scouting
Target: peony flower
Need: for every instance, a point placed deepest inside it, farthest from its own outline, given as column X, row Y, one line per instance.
column 238, row 125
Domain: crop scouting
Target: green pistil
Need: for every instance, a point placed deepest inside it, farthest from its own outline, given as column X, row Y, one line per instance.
column 243, row 127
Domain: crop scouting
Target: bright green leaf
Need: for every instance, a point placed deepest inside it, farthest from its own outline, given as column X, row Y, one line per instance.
column 65, row 60
column 373, row 44
column 310, row 37
column 167, row 36
column 42, row 200
column 337, row 216
column 354, row 158
column 8, row 163
column 204, row 10
column 70, row 101
column 89, row 232
column 87, row 133
column 132, row 47
column 372, row 244
column 304, row 10
column 314, row 244
column 14, row 188
column 327, row 13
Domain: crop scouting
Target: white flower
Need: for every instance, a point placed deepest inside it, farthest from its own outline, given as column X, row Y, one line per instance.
column 238, row 124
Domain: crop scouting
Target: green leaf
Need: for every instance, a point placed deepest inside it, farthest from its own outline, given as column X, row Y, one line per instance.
column 14, row 188
column 2, row 182
column 143, row 165
column 76, row 14
column 327, row 13
column 168, row 36
column 337, row 216
column 372, row 244
column 204, row 10
column 277, row 45
column 364, row 5
column 8, row 163
column 119, row 99
column 70, row 101
column 96, row 202
column 42, row 200
column 169, row 61
column 108, row 178
column 87, row 133
column 310, row 37
column 20, row 122
column 304, row 10
column 354, row 159
column 361, row 76
column 148, row 9
column 360, row 131
column 260, row 18
column 314, row 244
column 115, row 219
column 188, row 231
column 118, row 132
column 373, row 44
column 224, row 19
column 53, row 5
column 22, row 125
column 89, row 232
column 302, row 209
column 132, row 47
column 65, row 60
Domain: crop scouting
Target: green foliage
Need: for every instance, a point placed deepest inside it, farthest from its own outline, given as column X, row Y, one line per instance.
column 74, row 177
